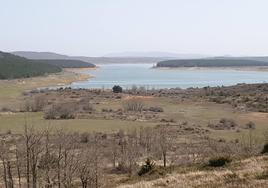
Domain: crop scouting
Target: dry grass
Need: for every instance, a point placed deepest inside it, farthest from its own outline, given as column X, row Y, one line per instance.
column 244, row 173
column 15, row 122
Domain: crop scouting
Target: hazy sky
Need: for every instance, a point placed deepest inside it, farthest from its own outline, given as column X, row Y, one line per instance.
column 98, row 27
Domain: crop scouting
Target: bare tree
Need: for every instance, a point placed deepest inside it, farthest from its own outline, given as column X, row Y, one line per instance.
column 18, row 164
column 114, row 150
column 96, row 152
column 9, row 174
column 85, row 168
column 3, row 156
column 164, row 142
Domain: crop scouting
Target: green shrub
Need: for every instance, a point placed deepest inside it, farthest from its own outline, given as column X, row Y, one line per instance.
column 265, row 149
column 84, row 138
column 117, row 89
column 147, row 167
column 263, row 175
column 156, row 109
column 219, row 161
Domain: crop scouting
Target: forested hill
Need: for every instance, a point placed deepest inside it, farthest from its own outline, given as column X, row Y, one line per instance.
column 211, row 63
column 12, row 66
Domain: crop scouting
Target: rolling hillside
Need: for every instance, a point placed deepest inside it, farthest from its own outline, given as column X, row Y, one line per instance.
column 12, row 66
column 66, row 63
column 211, row 63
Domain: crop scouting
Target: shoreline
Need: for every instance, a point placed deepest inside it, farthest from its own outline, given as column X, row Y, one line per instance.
column 246, row 68
column 78, row 70
column 11, row 91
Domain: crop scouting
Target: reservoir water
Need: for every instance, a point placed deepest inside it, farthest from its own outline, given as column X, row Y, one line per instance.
column 127, row 75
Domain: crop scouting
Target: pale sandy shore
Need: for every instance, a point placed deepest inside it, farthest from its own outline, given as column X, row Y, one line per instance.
column 79, row 70
column 257, row 68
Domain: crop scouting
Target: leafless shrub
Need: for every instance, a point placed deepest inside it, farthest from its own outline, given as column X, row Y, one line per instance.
column 134, row 105
column 60, row 111
column 86, row 105
column 224, row 124
column 155, row 109
column 36, row 104
column 5, row 109
column 84, row 138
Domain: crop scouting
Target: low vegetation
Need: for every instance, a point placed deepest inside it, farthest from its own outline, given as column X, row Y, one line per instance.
column 67, row 159
column 219, row 161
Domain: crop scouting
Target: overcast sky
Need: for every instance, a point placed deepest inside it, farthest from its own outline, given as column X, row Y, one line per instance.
column 99, row 27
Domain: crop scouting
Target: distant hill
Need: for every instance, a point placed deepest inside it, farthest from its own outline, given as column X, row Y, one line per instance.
column 255, row 58
column 51, row 58
column 93, row 60
column 12, row 66
column 220, row 62
column 66, row 63
column 127, row 57
column 120, row 60
column 40, row 55
column 155, row 54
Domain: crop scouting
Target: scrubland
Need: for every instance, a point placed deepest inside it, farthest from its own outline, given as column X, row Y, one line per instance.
column 208, row 137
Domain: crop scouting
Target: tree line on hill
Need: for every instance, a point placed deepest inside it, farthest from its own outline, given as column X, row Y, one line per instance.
column 211, row 63
column 12, row 66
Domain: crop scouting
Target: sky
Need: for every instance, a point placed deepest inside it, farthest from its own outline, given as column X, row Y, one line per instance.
column 99, row 27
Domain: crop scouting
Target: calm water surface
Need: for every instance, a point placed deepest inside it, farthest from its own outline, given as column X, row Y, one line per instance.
column 127, row 75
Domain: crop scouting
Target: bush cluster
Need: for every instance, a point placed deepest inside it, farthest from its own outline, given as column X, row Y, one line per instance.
column 147, row 167
column 117, row 89
column 219, row 161
column 60, row 111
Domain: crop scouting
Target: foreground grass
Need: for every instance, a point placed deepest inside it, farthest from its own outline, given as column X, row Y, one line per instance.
column 15, row 123
column 248, row 173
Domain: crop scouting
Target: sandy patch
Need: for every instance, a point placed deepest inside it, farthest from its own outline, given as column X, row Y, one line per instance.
column 138, row 97
column 258, row 115
column 78, row 70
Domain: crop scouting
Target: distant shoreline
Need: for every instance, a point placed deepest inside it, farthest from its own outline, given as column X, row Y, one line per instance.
column 241, row 68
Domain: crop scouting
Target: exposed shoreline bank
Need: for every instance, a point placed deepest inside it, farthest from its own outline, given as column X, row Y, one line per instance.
column 12, row 90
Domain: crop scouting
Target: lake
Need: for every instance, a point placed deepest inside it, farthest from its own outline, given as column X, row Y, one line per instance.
column 127, row 75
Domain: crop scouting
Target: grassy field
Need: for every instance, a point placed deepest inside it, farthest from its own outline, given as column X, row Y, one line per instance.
column 198, row 113
column 15, row 123
column 193, row 112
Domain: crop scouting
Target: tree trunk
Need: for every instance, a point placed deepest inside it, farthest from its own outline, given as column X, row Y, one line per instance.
column 34, row 173
column 10, row 179
column 58, row 168
column 18, row 168
column 165, row 159
column 5, row 173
